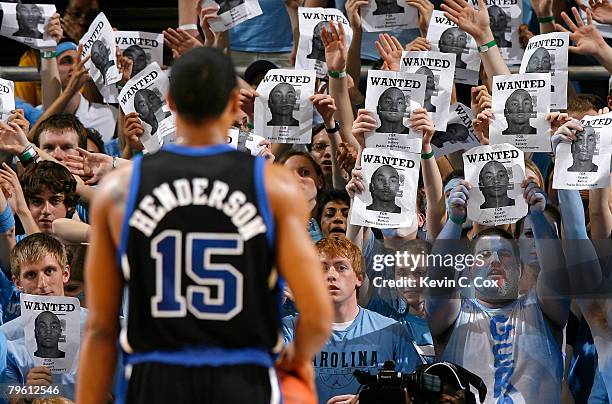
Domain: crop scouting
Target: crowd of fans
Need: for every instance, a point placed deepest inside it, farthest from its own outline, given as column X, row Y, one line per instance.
column 547, row 340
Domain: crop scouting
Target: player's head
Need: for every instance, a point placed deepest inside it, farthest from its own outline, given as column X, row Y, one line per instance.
column 59, row 135
column 47, row 331
column 497, row 262
column 384, row 184
column 583, row 147
column 498, row 20
column 332, row 212
column 342, row 266
column 391, row 105
column 493, row 180
column 29, row 16
column 138, row 57
column 50, row 192
column 203, row 88
column 431, row 78
column 99, row 54
column 412, row 265
column 453, row 40
column 519, row 107
column 282, row 100
column 457, row 132
column 539, row 62
column 39, row 265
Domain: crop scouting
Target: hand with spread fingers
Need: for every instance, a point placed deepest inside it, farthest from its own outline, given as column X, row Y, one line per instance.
column 425, row 8
column 390, row 50
column 89, row 166
column 474, row 22
column 336, row 52
column 180, row 41
column 587, row 39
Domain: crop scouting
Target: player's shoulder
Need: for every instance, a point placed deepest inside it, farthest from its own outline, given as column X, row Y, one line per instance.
column 116, row 183
column 281, row 183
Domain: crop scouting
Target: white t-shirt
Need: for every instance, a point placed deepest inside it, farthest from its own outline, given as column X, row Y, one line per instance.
column 102, row 117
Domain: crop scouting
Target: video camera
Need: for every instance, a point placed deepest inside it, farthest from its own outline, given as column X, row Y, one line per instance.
column 425, row 385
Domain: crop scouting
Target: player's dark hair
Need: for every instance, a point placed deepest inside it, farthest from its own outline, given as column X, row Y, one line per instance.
column 52, row 176
column 96, row 138
column 328, row 196
column 60, row 123
column 201, row 83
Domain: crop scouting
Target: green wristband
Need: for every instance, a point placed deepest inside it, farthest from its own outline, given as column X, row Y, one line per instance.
column 546, row 19
column 249, row 125
column 487, row 46
column 336, row 75
column 456, row 219
column 48, row 54
column 426, row 156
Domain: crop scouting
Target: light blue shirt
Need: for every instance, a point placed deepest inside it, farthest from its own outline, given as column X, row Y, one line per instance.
column 365, row 345
column 268, row 32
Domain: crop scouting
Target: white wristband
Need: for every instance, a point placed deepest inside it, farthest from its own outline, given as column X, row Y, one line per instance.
column 187, row 27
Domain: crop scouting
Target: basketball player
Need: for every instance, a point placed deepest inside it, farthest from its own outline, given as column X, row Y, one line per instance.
column 203, row 227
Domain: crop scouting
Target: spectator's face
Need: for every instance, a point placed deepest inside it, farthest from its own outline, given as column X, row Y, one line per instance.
column 306, row 174
column 29, row 15
column 47, row 330
column 529, row 254
column 76, row 17
column 412, row 295
column 494, row 180
column 46, row 207
column 499, row 264
column 342, row 281
column 74, row 289
column 583, row 147
column 334, row 218
column 321, row 151
column 385, row 184
column 282, row 99
column 44, row 277
column 92, row 147
column 65, row 66
column 497, row 20
column 59, row 143
column 519, row 108
column 453, row 40
column 391, row 105
column 539, row 62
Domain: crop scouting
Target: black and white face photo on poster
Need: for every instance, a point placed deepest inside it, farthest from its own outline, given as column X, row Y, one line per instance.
column 99, row 42
column 384, row 15
column 439, row 69
column 585, row 162
column 521, row 103
column 145, row 94
column 446, row 37
column 459, row 133
column 495, row 173
column 245, row 141
column 26, row 23
column 548, row 53
column 311, row 52
column 7, row 98
column 505, row 17
column 142, row 48
column 232, row 12
column 283, row 111
column 391, row 179
column 52, row 331
column 391, row 97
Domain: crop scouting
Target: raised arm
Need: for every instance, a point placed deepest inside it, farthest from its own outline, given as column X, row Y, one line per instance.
column 49, row 74
column 301, row 268
column 353, row 67
column 600, row 214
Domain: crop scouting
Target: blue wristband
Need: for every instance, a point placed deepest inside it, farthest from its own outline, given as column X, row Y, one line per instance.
column 7, row 220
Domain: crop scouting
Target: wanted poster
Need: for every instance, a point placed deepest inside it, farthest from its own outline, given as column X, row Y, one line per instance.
column 143, row 48
column 99, row 42
column 521, row 103
column 311, row 52
column 391, row 179
column 283, row 111
column 505, row 17
column 232, row 12
column 547, row 53
column 384, row 15
column 439, row 69
column 244, row 141
column 392, row 96
column 7, row 98
column 52, row 331
column 495, row 173
column 445, row 36
column 146, row 94
column 27, row 23
column 585, row 163
column 459, row 133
